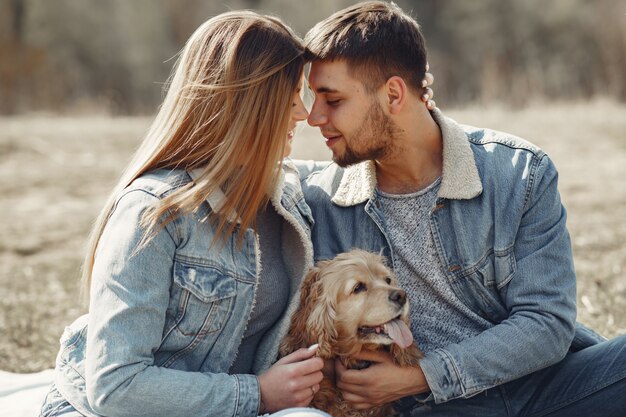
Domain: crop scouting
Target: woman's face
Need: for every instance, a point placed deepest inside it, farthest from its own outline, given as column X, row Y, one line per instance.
column 298, row 113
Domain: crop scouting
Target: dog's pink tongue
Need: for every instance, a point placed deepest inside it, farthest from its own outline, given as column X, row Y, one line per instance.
column 400, row 333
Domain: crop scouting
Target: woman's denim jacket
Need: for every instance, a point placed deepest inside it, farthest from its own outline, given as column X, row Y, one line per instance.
column 165, row 322
column 499, row 230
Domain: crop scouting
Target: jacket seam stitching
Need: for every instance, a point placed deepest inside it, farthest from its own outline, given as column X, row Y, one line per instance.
column 532, row 177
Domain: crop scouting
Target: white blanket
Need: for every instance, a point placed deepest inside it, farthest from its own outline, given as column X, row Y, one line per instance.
column 21, row 395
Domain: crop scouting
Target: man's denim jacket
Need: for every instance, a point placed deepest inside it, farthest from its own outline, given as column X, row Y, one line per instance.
column 165, row 322
column 499, row 230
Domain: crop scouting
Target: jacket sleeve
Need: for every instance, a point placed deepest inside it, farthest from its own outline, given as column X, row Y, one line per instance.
column 128, row 301
column 540, row 300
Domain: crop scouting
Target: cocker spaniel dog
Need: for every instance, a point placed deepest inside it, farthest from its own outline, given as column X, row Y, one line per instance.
column 350, row 304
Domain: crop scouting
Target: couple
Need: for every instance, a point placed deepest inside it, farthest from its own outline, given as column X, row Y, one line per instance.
column 194, row 264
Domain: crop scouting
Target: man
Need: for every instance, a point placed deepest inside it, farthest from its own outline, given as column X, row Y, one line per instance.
column 472, row 223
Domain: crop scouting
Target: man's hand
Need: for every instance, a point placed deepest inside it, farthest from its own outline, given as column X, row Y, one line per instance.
column 381, row 383
column 292, row 381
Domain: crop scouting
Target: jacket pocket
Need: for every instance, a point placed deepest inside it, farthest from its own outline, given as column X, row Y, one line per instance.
column 483, row 287
column 201, row 299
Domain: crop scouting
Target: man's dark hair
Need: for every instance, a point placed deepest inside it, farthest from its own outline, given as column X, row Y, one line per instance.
column 377, row 39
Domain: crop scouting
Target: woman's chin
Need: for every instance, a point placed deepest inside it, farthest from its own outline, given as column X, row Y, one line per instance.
column 288, row 146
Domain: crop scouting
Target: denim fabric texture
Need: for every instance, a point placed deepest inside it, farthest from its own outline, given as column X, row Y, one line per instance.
column 165, row 322
column 55, row 405
column 588, row 382
column 500, row 232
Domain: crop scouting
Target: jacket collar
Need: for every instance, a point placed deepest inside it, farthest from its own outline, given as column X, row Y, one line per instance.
column 460, row 179
column 217, row 197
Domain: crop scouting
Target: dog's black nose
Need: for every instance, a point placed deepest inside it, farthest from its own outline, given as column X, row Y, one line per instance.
column 398, row 297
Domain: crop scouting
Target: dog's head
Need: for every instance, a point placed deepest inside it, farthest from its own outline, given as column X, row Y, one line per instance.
column 348, row 302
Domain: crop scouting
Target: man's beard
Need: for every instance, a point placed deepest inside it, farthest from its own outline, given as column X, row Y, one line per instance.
column 373, row 140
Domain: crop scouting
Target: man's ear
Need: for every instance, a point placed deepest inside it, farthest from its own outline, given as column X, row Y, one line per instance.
column 396, row 91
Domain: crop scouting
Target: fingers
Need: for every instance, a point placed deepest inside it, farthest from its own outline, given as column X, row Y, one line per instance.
column 429, row 79
column 292, row 381
column 428, row 94
column 304, row 389
column 306, row 373
column 349, row 379
column 353, row 386
column 311, row 380
column 356, row 401
column 299, row 355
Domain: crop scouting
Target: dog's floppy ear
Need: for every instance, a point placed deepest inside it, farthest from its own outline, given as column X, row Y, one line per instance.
column 321, row 320
column 309, row 321
column 297, row 336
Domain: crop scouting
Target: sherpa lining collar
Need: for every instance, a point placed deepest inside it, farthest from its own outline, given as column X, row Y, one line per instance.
column 460, row 179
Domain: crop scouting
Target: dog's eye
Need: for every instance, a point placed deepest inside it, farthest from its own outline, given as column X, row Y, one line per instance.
column 360, row 287
column 388, row 280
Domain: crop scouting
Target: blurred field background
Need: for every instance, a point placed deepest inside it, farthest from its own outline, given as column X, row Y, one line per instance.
column 81, row 79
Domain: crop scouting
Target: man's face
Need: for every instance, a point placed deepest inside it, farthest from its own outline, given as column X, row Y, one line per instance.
column 350, row 118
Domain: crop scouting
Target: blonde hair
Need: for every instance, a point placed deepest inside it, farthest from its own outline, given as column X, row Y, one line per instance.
column 226, row 112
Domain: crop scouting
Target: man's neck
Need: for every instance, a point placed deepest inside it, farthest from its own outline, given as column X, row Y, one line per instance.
column 416, row 159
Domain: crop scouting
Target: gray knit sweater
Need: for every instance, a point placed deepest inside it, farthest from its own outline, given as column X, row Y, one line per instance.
column 272, row 294
column 438, row 317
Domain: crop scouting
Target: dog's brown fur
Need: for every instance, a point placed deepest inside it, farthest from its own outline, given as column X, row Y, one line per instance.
column 331, row 312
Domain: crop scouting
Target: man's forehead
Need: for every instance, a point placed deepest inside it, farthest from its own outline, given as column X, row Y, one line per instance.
column 329, row 76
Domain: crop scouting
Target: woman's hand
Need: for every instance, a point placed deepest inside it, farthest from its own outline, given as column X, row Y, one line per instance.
column 428, row 94
column 292, row 381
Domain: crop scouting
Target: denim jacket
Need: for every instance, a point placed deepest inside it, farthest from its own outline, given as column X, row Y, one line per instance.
column 500, row 235
column 165, row 322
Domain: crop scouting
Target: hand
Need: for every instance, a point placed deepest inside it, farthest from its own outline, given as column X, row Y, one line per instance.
column 292, row 381
column 427, row 96
column 381, row 383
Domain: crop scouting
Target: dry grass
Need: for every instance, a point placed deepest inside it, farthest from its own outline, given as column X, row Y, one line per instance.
column 57, row 172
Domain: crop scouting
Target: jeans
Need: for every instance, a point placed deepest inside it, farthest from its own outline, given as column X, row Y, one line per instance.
column 587, row 383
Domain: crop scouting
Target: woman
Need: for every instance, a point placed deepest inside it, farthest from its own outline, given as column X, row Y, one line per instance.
column 203, row 225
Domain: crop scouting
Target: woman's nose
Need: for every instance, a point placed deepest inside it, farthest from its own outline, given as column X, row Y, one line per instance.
column 300, row 113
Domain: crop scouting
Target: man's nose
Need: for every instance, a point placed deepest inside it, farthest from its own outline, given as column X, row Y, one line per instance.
column 316, row 116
